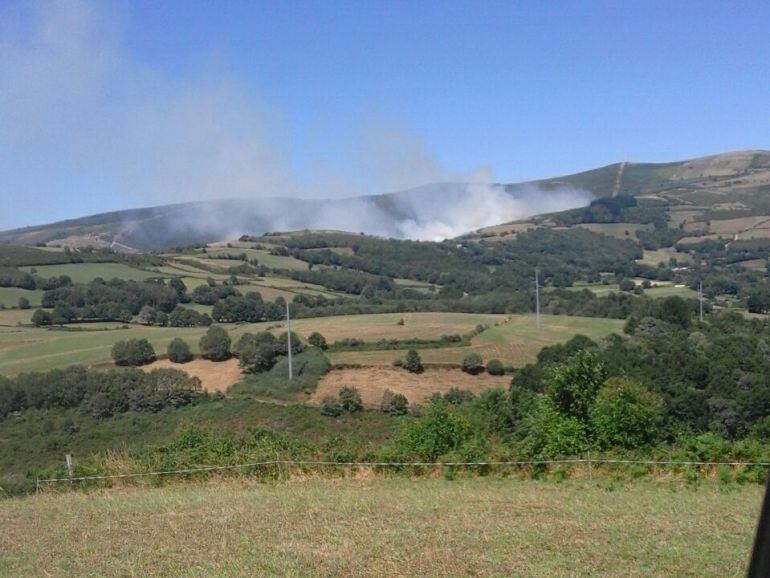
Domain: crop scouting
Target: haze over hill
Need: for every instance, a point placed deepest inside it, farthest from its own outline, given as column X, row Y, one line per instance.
column 738, row 181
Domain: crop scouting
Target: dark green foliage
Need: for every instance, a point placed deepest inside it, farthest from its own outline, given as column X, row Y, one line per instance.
column 456, row 396
column 626, row 285
column 100, row 394
column 179, row 351
column 317, row 340
column 330, row 406
column 573, row 385
column 309, row 366
column 133, row 352
column 215, row 344
column 440, row 431
column 413, row 362
column 185, row 317
column 495, row 367
column 257, row 353
column 625, row 415
column 41, row 318
column 473, row 364
column 350, row 400
column 23, row 303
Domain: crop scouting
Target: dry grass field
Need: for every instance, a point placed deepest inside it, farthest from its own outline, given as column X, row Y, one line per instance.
column 214, row 375
column 383, row 527
column 516, row 341
column 371, row 382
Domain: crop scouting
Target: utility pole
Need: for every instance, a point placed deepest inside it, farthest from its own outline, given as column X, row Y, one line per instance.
column 537, row 298
column 288, row 339
column 700, row 299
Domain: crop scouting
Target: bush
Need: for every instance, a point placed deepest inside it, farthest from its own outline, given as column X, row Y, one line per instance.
column 23, row 303
column 215, row 344
column 257, row 353
column 179, row 351
column 456, row 396
column 350, row 400
column 41, row 318
column 317, row 340
column 394, row 403
column 133, row 352
column 626, row 415
column 495, row 367
column 473, row 364
column 330, row 406
column 413, row 362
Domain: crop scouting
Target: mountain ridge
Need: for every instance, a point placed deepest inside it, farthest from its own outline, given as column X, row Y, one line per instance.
column 740, row 178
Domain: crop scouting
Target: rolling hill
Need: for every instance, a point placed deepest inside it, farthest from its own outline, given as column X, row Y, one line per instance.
column 736, row 184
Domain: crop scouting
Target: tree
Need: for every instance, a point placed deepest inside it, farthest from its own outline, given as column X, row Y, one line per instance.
column 41, row 318
column 573, row 385
column 495, row 367
column 626, row 285
column 473, row 364
column 133, row 352
column 23, row 303
column 413, row 362
column 350, row 400
column 179, row 351
column 625, row 414
column 215, row 344
column 147, row 315
column 317, row 340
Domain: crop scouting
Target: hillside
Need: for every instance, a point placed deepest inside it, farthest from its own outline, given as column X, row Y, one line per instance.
column 737, row 182
column 692, row 193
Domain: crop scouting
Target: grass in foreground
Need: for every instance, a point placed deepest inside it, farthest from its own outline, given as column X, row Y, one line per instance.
column 383, row 527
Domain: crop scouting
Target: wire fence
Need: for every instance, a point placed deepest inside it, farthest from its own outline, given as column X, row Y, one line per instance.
column 278, row 463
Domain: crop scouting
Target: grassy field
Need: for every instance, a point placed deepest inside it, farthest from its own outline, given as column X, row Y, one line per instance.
column 85, row 272
column 28, row 348
column 385, row 325
column 515, row 342
column 9, row 296
column 383, row 527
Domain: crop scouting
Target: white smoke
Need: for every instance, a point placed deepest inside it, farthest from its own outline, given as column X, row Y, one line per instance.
column 85, row 125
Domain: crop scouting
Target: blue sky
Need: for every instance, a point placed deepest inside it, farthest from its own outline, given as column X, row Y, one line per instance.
column 115, row 105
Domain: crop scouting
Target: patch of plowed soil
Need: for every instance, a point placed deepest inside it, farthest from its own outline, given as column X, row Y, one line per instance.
column 371, row 382
column 214, row 375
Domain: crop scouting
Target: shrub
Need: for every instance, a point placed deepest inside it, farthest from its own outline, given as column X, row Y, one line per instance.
column 626, row 415
column 330, row 406
column 495, row 367
column 350, row 400
column 317, row 340
column 215, row 344
column 23, row 303
column 413, row 362
column 178, row 351
column 439, row 431
column 473, row 364
column 394, row 403
column 257, row 353
column 41, row 318
column 456, row 396
column 133, row 352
